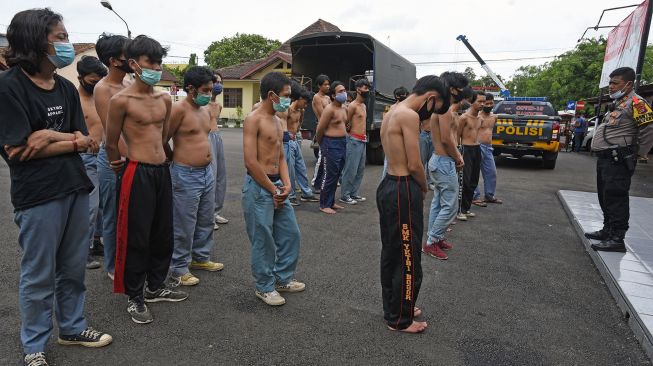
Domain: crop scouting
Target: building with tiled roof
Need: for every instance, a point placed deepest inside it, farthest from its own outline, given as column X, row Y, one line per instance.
column 242, row 81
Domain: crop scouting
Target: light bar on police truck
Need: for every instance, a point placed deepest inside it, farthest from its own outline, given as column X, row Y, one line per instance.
column 526, row 99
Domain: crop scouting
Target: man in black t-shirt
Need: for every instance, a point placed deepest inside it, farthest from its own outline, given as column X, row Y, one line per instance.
column 41, row 132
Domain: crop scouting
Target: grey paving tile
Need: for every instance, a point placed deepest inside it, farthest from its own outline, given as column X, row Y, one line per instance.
column 642, row 305
column 613, row 262
column 633, row 276
column 636, row 289
column 648, row 322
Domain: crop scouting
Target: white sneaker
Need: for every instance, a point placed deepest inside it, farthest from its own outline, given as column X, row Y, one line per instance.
column 470, row 214
column 271, row 298
column 292, row 286
column 220, row 220
column 216, row 226
column 461, row 217
column 359, row 198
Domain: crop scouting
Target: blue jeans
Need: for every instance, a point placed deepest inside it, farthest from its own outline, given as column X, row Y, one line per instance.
column 193, row 200
column 90, row 162
column 54, row 240
column 352, row 173
column 296, row 169
column 489, row 172
column 425, row 151
column 108, row 192
column 444, row 205
column 274, row 235
column 219, row 169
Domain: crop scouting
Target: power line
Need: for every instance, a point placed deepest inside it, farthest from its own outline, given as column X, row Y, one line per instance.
column 474, row 61
column 484, row 52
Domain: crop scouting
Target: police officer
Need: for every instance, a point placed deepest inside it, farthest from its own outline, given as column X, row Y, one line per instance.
column 626, row 133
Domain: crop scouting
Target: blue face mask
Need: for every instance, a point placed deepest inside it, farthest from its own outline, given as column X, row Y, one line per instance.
column 283, row 105
column 64, row 54
column 217, row 89
column 149, row 76
column 341, row 97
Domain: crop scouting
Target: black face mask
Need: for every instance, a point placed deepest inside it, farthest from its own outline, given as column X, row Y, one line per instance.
column 458, row 97
column 487, row 109
column 465, row 105
column 125, row 67
column 424, row 113
column 87, row 87
column 364, row 94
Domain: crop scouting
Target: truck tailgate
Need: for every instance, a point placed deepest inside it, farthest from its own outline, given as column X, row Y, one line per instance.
column 522, row 129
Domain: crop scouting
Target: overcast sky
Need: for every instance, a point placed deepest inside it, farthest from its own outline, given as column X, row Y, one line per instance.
column 420, row 30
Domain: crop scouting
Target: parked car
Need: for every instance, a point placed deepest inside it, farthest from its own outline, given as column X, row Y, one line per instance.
column 587, row 141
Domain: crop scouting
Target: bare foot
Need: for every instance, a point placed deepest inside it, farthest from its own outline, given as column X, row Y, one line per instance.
column 328, row 210
column 416, row 327
column 337, row 207
column 417, row 312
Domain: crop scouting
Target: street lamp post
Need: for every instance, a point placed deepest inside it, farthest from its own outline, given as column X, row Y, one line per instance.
column 107, row 5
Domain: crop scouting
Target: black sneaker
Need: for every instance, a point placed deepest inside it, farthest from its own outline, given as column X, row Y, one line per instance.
column 89, row 337
column 97, row 249
column 165, row 294
column 35, row 359
column 359, row 198
column 139, row 312
column 309, row 199
column 91, row 263
column 293, row 202
column 348, row 200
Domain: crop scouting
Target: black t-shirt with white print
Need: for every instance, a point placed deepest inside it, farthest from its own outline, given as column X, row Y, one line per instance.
column 26, row 108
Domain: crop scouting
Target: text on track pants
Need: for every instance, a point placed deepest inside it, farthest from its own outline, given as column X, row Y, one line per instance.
column 400, row 204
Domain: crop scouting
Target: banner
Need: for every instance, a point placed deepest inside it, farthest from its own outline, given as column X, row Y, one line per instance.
column 622, row 49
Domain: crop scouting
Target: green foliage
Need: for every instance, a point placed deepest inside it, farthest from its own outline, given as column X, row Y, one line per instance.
column 180, row 72
column 574, row 75
column 237, row 49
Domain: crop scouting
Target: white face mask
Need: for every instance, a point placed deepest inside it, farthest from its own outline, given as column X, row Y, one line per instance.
column 618, row 94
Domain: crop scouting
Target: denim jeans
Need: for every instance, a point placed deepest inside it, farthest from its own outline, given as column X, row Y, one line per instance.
column 296, row 169
column 444, row 205
column 489, row 172
column 352, row 173
column 193, row 199
column 425, row 151
column 334, row 150
column 274, row 235
column 90, row 162
column 219, row 169
column 54, row 240
column 108, row 192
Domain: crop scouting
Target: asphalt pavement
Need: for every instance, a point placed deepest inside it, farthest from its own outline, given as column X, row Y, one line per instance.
column 518, row 289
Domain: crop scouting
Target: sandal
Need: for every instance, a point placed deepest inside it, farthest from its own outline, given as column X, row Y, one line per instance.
column 494, row 200
column 479, row 203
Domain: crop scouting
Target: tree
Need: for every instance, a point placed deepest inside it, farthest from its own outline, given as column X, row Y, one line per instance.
column 238, row 49
column 179, row 72
column 574, row 75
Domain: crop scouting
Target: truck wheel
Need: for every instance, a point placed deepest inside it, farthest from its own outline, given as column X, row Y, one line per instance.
column 549, row 160
column 375, row 155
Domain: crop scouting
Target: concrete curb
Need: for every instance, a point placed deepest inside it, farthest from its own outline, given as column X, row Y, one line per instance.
column 634, row 321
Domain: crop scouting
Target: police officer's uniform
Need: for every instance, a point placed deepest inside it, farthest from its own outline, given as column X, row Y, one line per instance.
column 626, row 132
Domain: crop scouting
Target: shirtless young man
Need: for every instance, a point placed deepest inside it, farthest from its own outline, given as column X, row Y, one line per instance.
column 331, row 135
column 269, row 219
column 300, row 97
column 468, row 132
column 320, row 101
column 217, row 152
column 109, row 50
column 488, row 168
column 400, row 94
column 352, row 173
column 443, row 167
column 144, row 235
column 193, row 180
column 400, row 202
column 89, row 72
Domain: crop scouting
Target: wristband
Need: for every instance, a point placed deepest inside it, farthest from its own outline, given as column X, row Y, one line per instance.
column 75, row 146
